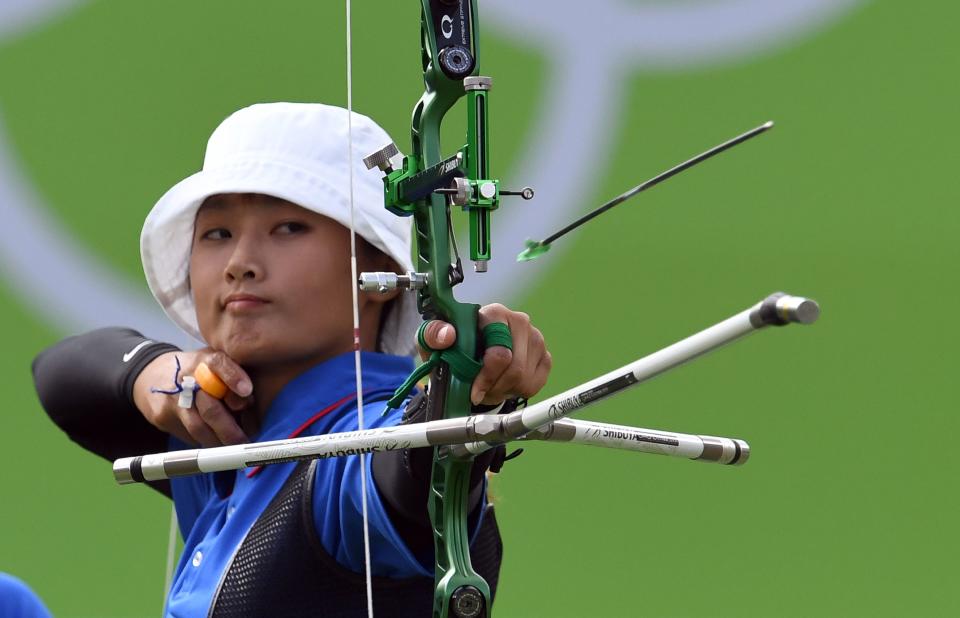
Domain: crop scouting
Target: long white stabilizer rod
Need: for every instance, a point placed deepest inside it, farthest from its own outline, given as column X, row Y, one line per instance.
column 432, row 433
column 729, row 451
column 776, row 310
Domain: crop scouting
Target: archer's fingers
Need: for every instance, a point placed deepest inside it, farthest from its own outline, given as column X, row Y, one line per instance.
column 519, row 377
column 540, row 375
column 498, row 362
column 537, row 363
column 230, row 372
column 235, row 403
column 219, row 420
column 530, row 362
column 438, row 335
column 198, row 430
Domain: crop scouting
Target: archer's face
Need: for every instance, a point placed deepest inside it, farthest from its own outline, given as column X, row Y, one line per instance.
column 271, row 281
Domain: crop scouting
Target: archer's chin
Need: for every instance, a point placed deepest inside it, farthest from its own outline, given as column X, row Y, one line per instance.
column 245, row 344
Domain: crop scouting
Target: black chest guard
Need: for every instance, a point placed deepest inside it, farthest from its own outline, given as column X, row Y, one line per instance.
column 281, row 569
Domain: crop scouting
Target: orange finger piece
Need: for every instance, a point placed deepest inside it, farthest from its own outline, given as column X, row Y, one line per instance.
column 209, row 382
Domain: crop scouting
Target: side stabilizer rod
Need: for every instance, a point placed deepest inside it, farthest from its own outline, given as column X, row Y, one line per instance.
column 711, row 449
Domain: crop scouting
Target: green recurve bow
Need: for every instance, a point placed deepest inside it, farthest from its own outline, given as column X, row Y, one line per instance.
column 426, row 186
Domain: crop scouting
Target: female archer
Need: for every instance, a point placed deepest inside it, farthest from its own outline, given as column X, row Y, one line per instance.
column 251, row 255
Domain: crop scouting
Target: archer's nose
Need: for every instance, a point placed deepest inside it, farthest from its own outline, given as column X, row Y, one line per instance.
column 244, row 264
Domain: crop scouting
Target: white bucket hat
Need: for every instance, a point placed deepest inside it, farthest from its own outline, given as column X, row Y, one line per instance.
column 296, row 152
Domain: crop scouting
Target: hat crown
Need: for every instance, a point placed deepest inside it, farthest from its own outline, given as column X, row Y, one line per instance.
column 304, row 134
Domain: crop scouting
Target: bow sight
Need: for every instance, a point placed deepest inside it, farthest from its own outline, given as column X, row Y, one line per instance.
column 464, row 178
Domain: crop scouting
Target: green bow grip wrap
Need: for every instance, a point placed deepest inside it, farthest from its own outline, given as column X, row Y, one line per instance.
column 462, row 366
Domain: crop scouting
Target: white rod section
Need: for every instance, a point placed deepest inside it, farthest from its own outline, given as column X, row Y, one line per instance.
column 730, row 451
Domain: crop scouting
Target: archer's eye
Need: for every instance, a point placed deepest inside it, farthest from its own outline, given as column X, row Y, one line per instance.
column 291, row 227
column 217, row 233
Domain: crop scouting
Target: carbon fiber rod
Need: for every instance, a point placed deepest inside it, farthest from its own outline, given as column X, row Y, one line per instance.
column 446, row 432
column 714, row 449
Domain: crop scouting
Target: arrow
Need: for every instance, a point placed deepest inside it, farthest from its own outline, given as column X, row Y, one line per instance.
column 535, row 249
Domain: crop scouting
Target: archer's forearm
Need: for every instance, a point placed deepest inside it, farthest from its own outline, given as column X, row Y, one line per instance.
column 85, row 385
column 403, row 481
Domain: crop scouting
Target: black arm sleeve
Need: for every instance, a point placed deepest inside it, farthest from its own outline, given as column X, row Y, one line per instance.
column 85, row 384
column 402, row 479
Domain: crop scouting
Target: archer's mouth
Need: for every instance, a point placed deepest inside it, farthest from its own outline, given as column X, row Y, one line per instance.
column 243, row 303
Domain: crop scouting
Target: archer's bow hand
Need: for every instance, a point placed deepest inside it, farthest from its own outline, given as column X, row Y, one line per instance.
column 507, row 373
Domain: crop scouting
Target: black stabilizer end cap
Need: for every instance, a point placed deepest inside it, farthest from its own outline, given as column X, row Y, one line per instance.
column 136, row 471
column 767, row 314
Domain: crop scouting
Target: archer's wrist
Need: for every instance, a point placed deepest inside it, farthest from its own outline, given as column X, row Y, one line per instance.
column 154, row 368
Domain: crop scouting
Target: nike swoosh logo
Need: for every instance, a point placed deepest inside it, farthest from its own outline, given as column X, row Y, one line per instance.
column 133, row 352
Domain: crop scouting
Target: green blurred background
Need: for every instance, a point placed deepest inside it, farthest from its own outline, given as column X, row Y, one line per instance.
column 847, row 505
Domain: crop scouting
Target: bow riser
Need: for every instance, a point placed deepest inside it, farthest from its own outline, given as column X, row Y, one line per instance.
column 460, row 591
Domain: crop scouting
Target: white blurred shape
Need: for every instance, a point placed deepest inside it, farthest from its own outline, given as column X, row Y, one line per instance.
column 18, row 16
column 589, row 47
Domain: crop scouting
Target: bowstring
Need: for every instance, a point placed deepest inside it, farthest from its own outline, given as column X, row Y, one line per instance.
column 356, row 313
